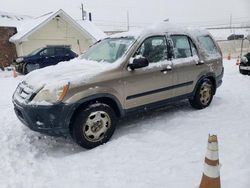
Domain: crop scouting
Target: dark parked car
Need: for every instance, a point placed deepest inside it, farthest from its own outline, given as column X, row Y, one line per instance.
column 235, row 37
column 43, row 57
column 245, row 64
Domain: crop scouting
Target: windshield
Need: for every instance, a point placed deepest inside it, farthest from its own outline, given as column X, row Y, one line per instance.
column 109, row 49
column 34, row 52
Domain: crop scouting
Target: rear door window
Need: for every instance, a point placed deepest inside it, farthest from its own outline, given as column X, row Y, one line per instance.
column 208, row 45
column 60, row 51
column 48, row 52
column 183, row 47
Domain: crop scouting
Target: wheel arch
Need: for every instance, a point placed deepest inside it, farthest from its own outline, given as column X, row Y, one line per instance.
column 108, row 99
column 211, row 77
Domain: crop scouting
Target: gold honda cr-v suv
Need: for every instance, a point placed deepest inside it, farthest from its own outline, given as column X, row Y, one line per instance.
column 119, row 75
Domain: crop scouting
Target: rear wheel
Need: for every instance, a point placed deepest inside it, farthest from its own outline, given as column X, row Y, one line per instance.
column 93, row 125
column 203, row 95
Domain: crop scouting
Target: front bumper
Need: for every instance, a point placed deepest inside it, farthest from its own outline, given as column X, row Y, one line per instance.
column 247, row 68
column 52, row 120
column 19, row 67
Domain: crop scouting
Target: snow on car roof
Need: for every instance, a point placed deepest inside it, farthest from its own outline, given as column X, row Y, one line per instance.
column 162, row 28
column 133, row 33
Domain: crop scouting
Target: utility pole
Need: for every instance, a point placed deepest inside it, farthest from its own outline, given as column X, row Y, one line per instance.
column 231, row 23
column 83, row 12
column 128, row 27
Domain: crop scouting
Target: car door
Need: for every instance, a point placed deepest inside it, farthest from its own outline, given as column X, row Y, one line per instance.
column 48, row 56
column 186, row 66
column 152, row 83
column 69, row 55
column 60, row 55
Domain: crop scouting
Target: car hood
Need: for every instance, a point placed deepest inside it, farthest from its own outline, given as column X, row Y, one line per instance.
column 26, row 58
column 75, row 72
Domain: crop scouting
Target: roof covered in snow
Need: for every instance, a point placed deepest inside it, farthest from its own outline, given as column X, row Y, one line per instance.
column 12, row 20
column 27, row 25
column 163, row 28
column 92, row 29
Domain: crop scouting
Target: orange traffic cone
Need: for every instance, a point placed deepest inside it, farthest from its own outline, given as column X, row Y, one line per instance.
column 238, row 61
column 14, row 73
column 229, row 56
column 211, row 173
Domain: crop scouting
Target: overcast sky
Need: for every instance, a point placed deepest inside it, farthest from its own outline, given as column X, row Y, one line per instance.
column 141, row 12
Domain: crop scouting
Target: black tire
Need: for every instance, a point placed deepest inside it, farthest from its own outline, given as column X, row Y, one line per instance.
column 244, row 72
column 86, row 135
column 203, row 95
column 25, row 71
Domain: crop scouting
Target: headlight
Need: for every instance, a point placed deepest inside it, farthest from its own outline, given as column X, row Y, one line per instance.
column 51, row 96
column 244, row 59
column 20, row 59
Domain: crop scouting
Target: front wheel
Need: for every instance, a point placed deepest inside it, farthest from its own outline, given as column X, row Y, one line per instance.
column 203, row 95
column 93, row 125
column 30, row 67
column 244, row 72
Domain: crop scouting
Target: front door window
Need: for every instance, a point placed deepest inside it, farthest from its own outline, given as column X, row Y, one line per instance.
column 154, row 49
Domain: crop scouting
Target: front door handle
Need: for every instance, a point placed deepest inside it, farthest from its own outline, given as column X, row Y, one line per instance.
column 165, row 70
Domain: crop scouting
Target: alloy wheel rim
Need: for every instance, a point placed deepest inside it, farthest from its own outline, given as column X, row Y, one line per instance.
column 205, row 93
column 96, row 126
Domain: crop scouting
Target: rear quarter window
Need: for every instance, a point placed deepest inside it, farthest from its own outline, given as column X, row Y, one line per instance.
column 183, row 46
column 60, row 51
column 208, row 45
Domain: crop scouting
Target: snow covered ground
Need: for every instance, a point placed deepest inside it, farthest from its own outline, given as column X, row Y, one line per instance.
column 164, row 148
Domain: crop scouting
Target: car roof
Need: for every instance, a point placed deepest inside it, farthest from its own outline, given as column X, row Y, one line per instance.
column 163, row 28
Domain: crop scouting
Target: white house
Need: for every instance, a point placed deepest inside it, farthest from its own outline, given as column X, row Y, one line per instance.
column 55, row 28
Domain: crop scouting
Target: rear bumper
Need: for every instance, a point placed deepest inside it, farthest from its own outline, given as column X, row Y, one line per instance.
column 51, row 120
column 219, row 78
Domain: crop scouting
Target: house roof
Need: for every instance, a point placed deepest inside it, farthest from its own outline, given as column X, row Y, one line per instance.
column 91, row 28
column 26, row 28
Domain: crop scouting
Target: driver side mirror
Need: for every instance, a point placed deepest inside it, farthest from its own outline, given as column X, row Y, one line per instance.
column 139, row 63
column 244, row 59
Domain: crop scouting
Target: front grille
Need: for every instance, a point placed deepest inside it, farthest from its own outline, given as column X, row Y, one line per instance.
column 24, row 92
